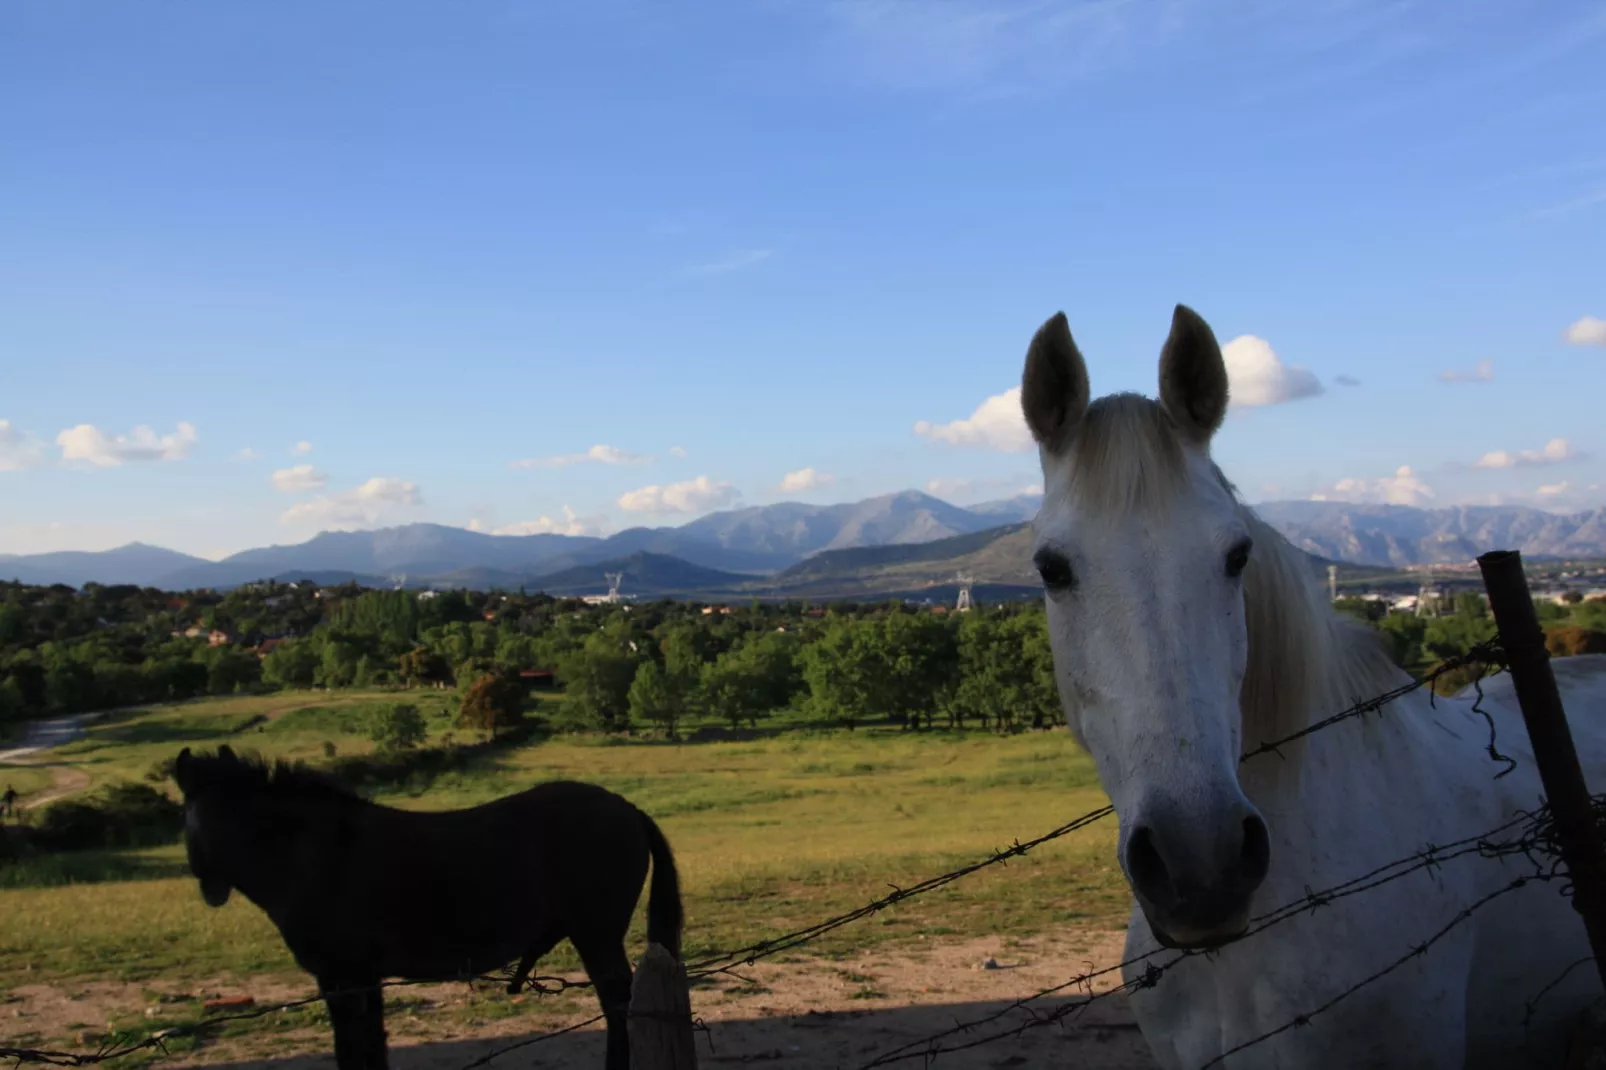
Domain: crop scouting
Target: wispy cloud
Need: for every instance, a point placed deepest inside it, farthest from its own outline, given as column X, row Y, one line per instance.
column 1587, row 331
column 692, row 496
column 302, row 447
column 598, row 454
column 1346, row 380
column 739, row 260
column 19, row 449
column 996, row 424
column 1482, row 372
column 569, row 524
column 805, row 479
column 1257, row 376
column 248, row 454
column 1556, row 451
column 1567, row 207
column 90, row 445
column 376, row 501
column 298, row 479
column 1404, row 487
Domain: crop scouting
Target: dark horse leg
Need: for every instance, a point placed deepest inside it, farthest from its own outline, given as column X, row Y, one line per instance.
column 357, row 1013
column 537, row 950
column 609, row 969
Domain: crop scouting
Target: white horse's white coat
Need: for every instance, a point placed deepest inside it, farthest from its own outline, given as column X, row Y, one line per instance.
column 1169, row 667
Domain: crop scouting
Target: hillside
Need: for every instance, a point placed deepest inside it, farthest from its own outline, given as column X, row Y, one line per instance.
column 1397, row 535
column 646, row 575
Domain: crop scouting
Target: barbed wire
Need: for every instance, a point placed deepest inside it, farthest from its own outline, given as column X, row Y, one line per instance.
column 1536, row 843
column 1485, row 655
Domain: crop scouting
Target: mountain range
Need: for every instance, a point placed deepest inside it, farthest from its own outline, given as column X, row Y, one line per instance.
column 893, row 543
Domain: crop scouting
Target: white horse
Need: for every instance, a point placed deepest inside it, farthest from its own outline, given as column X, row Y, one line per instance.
column 1185, row 631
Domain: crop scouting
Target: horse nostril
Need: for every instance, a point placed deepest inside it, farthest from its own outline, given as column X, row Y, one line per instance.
column 1256, row 853
column 1148, row 870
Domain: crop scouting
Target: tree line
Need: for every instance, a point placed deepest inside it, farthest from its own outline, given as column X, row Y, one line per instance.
column 658, row 664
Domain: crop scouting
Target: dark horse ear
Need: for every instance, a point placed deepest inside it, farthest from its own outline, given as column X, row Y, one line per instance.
column 1053, row 385
column 181, row 769
column 1193, row 377
column 226, row 752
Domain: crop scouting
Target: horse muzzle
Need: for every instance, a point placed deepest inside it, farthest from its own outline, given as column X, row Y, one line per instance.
column 1193, row 878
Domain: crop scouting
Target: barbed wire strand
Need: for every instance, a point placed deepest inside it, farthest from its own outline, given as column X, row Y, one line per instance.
column 1535, row 841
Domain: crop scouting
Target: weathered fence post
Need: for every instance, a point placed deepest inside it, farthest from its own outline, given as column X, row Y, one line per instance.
column 1559, row 771
column 661, row 1033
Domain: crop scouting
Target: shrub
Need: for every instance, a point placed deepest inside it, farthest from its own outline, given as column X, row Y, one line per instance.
column 1567, row 642
column 119, row 815
column 398, row 728
column 493, row 702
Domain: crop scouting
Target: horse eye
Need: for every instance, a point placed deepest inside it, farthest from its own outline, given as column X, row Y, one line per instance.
column 1237, row 558
column 1055, row 570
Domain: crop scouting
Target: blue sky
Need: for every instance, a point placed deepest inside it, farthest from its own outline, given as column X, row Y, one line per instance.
column 271, row 268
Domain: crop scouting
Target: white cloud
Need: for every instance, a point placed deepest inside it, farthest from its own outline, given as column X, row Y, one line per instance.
column 1588, row 331
column 1402, row 488
column 569, row 524
column 595, row 455
column 373, row 502
column 805, row 479
column 1483, row 372
column 677, row 452
column 1553, row 490
column 302, row 447
column 1257, row 376
column 90, row 444
column 735, row 261
column 693, row 496
column 1556, row 451
column 997, row 424
column 298, row 480
column 19, row 449
column 957, row 490
column 248, row 454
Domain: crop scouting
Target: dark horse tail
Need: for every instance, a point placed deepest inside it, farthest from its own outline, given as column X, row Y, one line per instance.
column 664, row 913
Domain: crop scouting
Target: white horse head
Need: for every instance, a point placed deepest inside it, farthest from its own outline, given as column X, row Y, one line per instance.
column 1144, row 554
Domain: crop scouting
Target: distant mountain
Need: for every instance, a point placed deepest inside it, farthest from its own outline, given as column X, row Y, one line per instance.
column 912, row 534
column 1398, row 535
column 136, row 563
column 647, row 575
column 1022, row 507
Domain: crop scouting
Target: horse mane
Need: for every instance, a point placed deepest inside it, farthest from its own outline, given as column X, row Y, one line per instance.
column 277, row 781
column 1305, row 659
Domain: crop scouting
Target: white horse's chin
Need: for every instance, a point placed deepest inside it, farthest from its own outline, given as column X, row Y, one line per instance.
column 1179, row 936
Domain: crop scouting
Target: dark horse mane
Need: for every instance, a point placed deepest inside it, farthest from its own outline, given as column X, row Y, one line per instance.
column 227, row 773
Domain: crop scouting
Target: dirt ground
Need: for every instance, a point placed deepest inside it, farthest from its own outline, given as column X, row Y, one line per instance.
column 824, row 1013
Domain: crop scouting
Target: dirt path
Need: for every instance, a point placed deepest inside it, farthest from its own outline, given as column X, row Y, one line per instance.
column 813, row 1013
column 44, row 735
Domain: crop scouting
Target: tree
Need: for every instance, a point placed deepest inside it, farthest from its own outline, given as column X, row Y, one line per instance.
column 655, row 697
column 492, row 703
column 422, row 665
column 293, row 663
column 597, row 680
column 397, row 728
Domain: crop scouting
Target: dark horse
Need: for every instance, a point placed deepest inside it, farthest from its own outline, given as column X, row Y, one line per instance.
column 362, row 892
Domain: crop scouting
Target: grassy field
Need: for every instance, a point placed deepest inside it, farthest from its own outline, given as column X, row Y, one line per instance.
column 771, row 834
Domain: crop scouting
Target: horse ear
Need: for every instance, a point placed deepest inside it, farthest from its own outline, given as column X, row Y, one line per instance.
column 226, row 752
column 181, row 769
column 1193, row 377
column 1053, row 387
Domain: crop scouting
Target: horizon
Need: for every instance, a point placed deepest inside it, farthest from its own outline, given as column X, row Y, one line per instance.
column 586, row 268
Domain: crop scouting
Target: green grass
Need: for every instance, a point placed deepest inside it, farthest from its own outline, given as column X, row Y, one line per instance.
column 771, row 834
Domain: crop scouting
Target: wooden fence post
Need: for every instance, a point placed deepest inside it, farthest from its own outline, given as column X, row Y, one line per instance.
column 1559, row 771
column 661, row 1033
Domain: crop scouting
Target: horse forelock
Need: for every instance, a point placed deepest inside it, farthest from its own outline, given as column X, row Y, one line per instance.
column 1126, row 455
